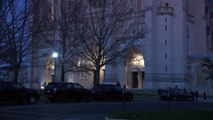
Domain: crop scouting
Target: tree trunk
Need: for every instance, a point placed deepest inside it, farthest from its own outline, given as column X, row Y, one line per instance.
column 97, row 77
column 15, row 79
column 63, row 58
column 16, row 75
column 62, row 73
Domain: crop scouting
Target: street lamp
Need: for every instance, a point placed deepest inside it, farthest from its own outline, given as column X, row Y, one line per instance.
column 54, row 55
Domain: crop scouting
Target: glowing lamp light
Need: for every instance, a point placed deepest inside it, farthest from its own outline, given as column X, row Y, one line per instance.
column 55, row 55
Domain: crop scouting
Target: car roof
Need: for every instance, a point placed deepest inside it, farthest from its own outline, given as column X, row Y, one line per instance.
column 5, row 81
column 104, row 86
column 9, row 82
column 60, row 84
column 56, row 83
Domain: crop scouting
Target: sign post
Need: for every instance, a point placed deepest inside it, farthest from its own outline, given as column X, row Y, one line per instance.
column 124, row 98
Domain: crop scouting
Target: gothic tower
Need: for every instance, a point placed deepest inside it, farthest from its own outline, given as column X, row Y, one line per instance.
column 168, row 44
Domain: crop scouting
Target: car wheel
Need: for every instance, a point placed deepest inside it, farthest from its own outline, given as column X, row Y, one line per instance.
column 106, row 98
column 88, row 99
column 52, row 99
column 129, row 99
column 20, row 101
column 62, row 98
column 190, row 99
column 174, row 98
column 31, row 99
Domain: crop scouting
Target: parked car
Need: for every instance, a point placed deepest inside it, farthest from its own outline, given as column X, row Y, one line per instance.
column 67, row 91
column 176, row 94
column 110, row 92
column 12, row 91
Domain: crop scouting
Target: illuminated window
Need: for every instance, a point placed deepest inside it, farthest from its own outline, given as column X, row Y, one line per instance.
column 166, row 4
column 137, row 5
column 52, row 9
column 138, row 61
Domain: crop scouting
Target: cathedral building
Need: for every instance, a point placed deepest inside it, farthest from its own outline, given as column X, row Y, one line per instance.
column 179, row 37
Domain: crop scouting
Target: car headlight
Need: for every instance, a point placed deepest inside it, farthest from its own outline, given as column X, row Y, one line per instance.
column 54, row 89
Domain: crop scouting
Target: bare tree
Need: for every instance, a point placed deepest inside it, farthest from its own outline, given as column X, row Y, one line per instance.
column 70, row 13
column 62, row 27
column 17, row 34
column 3, row 12
column 108, row 30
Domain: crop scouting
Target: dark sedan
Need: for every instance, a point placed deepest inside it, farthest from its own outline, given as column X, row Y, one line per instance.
column 65, row 91
column 109, row 92
column 12, row 91
column 176, row 94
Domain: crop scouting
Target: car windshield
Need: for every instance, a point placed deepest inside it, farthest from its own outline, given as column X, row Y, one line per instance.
column 56, row 85
column 182, row 91
column 77, row 86
column 17, row 86
column 178, row 91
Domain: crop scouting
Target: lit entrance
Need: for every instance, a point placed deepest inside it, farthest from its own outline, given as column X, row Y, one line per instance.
column 137, row 71
column 135, row 79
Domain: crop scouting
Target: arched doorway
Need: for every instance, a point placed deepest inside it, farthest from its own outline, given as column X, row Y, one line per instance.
column 137, row 71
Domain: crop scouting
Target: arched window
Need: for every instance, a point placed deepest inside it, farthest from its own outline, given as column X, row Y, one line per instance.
column 166, row 4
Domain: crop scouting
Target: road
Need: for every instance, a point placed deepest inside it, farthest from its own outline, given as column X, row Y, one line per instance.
column 88, row 111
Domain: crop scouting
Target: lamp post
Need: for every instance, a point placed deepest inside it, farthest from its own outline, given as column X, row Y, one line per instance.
column 54, row 55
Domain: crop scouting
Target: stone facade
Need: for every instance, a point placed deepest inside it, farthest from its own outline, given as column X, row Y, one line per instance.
column 177, row 30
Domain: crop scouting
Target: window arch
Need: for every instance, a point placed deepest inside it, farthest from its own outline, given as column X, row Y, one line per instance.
column 164, row 3
column 167, row 4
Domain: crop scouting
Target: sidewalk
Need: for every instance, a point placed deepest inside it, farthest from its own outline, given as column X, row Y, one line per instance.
column 208, row 99
column 155, row 98
column 147, row 98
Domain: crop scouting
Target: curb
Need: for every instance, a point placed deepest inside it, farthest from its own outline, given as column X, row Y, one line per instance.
column 106, row 118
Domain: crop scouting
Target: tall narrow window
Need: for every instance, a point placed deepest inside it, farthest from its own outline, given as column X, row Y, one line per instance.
column 165, row 42
column 52, row 9
column 165, row 27
column 139, row 5
column 166, row 69
column 165, row 19
column 165, row 55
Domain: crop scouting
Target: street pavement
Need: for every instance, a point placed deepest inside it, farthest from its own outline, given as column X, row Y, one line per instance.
column 156, row 98
column 208, row 99
column 45, row 110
